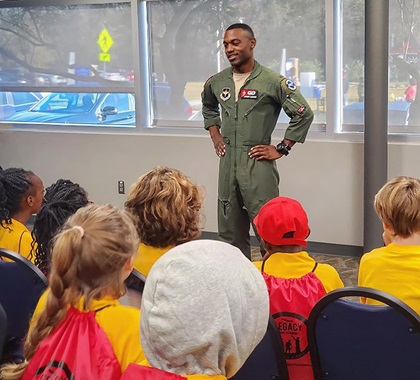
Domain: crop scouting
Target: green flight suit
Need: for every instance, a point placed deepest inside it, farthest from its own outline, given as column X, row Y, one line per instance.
column 246, row 184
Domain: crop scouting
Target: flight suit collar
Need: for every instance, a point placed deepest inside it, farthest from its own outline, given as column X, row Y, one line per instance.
column 255, row 72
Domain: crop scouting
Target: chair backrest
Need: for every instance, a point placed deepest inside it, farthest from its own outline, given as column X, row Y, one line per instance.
column 3, row 329
column 349, row 340
column 267, row 361
column 21, row 285
column 135, row 285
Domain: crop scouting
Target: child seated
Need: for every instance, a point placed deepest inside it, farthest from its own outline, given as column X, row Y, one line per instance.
column 395, row 267
column 62, row 199
column 21, row 194
column 204, row 310
column 283, row 226
column 167, row 205
column 91, row 258
column 295, row 281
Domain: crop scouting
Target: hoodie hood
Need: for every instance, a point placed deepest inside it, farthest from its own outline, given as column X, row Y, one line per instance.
column 204, row 309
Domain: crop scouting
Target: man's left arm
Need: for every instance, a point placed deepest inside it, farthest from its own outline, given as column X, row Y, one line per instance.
column 297, row 108
column 301, row 116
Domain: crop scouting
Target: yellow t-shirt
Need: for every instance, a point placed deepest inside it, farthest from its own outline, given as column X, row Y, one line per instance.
column 295, row 265
column 17, row 238
column 147, row 256
column 393, row 269
column 120, row 323
column 192, row 377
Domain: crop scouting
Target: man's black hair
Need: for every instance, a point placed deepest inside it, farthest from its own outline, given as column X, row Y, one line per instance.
column 243, row 27
column 14, row 184
column 62, row 199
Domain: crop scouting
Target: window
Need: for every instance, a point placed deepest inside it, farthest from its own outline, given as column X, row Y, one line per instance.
column 403, row 73
column 187, row 49
column 76, row 55
column 404, row 70
column 66, row 45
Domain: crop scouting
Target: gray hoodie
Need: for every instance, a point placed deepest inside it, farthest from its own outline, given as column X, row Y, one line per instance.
column 204, row 309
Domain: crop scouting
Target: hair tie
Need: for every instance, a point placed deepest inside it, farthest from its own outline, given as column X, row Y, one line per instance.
column 80, row 229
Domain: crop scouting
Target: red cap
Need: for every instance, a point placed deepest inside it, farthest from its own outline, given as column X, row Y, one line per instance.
column 282, row 217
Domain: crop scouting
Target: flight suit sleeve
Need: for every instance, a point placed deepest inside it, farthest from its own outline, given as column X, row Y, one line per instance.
column 210, row 108
column 297, row 108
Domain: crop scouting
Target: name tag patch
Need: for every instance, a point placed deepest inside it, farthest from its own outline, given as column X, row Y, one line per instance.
column 301, row 109
column 249, row 94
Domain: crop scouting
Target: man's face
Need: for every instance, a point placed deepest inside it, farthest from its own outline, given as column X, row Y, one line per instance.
column 239, row 46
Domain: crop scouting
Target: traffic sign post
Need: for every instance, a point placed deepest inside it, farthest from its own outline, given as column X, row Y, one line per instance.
column 105, row 43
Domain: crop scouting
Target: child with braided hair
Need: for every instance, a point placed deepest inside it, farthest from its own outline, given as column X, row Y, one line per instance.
column 62, row 199
column 21, row 194
column 91, row 258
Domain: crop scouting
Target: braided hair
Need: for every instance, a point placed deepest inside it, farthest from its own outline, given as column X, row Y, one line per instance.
column 14, row 184
column 62, row 199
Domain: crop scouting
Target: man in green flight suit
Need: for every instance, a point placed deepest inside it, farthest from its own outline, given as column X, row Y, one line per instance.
column 250, row 97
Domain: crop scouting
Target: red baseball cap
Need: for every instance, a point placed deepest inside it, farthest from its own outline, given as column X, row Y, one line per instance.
column 283, row 221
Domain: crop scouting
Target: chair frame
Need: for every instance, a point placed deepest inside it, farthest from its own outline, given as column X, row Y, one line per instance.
column 278, row 349
column 140, row 276
column 356, row 291
column 16, row 257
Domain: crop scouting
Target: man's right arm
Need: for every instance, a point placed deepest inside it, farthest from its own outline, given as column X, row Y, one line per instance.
column 211, row 115
column 210, row 106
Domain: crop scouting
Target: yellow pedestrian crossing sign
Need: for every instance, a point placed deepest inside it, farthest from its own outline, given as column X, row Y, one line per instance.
column 104, row 57
column 105, row 41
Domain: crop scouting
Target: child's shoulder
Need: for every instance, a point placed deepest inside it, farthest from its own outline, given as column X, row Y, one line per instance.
column 329, row 276
column 123, row 311
column 258, row 264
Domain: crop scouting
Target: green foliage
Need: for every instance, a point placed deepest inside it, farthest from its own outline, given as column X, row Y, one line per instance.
column 313, row 66
column 355, row 70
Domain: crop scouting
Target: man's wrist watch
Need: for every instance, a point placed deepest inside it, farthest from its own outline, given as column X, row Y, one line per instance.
column 283, row 148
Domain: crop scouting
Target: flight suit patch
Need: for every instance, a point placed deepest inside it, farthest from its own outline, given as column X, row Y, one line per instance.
column 248, row 94
column 225, row 94
column 288, row 86
column 301, row 109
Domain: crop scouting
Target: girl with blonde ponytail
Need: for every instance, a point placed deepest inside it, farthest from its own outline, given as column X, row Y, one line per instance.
column 91, row 258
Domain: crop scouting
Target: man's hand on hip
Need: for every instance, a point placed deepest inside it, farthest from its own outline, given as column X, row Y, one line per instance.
column 264, row 152
column 217, row 139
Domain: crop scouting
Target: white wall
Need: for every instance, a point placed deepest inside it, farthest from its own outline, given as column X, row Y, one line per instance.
column 325, row 176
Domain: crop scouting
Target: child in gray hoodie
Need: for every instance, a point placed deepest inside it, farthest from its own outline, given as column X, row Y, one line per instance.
column 204, row 310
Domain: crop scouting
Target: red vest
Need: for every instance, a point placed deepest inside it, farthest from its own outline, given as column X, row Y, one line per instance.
column 291, row 301
column 77, row 348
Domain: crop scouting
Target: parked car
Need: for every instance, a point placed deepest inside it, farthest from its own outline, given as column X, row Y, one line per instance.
column 51, row 79
column 12, row 102
column 17, row 76
column 81, row 109
column 398, row 113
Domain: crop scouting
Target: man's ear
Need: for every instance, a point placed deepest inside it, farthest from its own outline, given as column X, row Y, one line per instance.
column 253, row 43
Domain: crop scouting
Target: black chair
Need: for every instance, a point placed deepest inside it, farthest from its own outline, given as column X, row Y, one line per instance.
column 135, row 285
column 3, row 329
column 21, row 285
column 349, row 340
column 267, row 361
